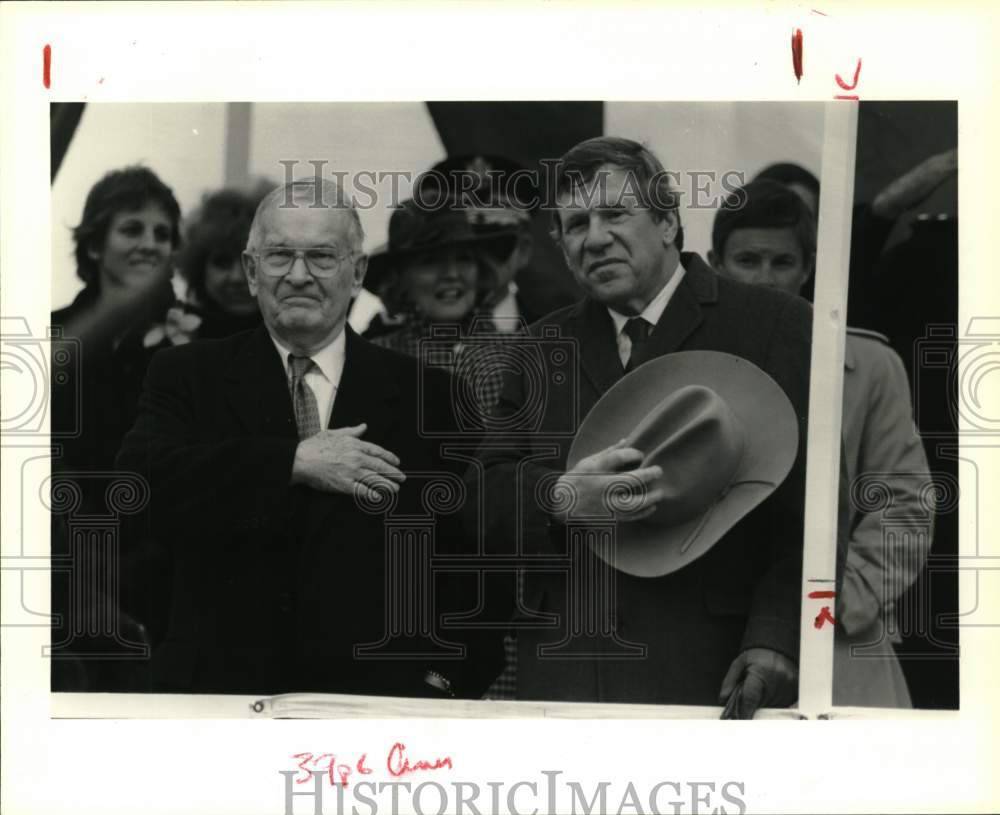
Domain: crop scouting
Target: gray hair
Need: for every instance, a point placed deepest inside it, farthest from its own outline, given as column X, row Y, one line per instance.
column 581, row 165
column 319, row 192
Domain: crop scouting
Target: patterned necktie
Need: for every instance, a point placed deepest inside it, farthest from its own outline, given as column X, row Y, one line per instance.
column 303, row 398
column 636, row 329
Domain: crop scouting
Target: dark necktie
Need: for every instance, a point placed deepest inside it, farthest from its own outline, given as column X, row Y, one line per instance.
column 303, row 398
column 637, row 330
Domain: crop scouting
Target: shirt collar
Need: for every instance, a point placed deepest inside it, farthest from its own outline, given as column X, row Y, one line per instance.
column 506, row 307
column 329, row 359
column 657, row 305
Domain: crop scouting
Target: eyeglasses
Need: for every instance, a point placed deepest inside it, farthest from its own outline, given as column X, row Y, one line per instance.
column 321, row 262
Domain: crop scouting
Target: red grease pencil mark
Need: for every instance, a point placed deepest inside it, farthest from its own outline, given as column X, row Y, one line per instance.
column 822, row 595
column 824, row 617
column 844, row 85
column 852, row 86
column 47, row 66
column 398, row 764
column 797, row 54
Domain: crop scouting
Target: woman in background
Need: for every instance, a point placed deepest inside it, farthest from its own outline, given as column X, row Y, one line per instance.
column 214, row 241
column 433, row 276
column 124, row 248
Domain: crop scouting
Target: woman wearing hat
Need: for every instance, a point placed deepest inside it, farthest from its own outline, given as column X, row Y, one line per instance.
column 433, row 276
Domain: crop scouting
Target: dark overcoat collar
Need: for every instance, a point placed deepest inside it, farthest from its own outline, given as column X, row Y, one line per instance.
column 592, row 325
column 368, row 392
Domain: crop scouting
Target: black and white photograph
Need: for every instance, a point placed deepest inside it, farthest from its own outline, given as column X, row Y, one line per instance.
column 404, row 435
column 586, row 516
column 614, row 513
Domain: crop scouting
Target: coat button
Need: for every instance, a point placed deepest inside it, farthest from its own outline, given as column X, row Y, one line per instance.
column 285, row 602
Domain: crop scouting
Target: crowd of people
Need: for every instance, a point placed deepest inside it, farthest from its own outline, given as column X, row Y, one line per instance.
column 217, row 360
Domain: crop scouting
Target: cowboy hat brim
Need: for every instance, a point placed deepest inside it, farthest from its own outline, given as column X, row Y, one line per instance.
column 771, row 432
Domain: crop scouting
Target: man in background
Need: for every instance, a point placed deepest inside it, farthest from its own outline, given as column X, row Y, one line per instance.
column 770, row 241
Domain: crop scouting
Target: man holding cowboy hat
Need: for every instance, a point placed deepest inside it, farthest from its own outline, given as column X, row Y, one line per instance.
column 687, row 475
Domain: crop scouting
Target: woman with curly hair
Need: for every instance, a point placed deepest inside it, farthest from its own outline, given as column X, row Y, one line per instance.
column 214, row 241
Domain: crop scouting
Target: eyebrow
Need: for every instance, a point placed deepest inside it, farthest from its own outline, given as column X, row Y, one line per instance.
column 286, row 245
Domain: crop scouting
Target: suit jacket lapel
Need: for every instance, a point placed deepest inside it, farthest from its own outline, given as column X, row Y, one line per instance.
column 257, row 389
column 683, row 313
column 593, row 327
column 599, row 348
column 366, row 392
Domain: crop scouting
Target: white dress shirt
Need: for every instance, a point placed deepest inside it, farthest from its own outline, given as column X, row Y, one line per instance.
column 506, row 314
column 650, row 314
column 364, row 309
column 324, row 377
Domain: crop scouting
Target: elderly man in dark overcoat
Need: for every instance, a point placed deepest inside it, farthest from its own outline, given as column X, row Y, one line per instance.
column 286, row 466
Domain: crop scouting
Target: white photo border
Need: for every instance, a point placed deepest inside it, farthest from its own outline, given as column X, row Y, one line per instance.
column 151, row 52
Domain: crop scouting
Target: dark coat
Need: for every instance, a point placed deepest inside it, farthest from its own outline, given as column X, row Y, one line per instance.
column 94, row 398
column 745, row 592
column 101, row 398
column 275, row 585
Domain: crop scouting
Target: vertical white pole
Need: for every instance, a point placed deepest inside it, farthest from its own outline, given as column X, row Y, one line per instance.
column 825, row 401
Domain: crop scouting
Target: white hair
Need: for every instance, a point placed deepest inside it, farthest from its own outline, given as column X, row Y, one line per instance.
column 322, row 191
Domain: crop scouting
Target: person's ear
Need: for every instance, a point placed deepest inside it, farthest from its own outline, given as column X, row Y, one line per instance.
column 715, row 261
column 671, row 224
column 808, row 271
column 250, row 270
column 360, row 269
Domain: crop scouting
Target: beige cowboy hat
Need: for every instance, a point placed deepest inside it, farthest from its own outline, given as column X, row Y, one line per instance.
column 725, row 435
